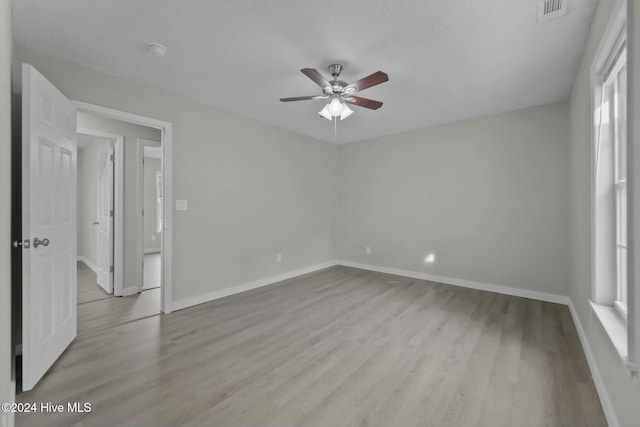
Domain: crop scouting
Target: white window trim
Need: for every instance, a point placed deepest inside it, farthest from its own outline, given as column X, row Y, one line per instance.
column 614, row 325
column 619, row 328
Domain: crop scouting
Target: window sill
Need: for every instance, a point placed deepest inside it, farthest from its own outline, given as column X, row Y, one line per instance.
column 616, row 328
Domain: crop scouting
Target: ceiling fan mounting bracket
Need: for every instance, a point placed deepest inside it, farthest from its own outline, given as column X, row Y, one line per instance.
column 335, row 70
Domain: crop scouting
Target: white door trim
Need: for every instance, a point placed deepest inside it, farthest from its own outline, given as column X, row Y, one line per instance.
column 166, row 130
column 118, row 204
column 142, row 143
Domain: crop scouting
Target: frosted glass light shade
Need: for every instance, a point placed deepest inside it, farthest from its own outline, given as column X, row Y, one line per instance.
column 325, row 112
column 346, row 112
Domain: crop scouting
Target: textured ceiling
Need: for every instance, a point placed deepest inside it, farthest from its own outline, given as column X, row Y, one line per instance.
column 446, row 60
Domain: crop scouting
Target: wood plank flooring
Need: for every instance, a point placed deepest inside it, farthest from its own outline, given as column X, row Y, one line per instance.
column 339, row 347
column 113, row 311
column 98, row 310
column 88, row 289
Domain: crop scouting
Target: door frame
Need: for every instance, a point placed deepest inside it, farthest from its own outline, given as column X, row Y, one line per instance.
column 118, row 204
column 140, row 196
column 166, row 132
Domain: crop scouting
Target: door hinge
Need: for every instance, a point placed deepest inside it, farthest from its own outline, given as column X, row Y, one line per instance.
column 111, row 213
column 111, row 157
column 111, row 269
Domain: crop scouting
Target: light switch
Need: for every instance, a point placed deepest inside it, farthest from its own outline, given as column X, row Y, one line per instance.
column 181, row 205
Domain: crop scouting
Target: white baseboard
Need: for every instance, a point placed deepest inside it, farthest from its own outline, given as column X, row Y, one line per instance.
column 201, row 299
column 131, row 290
column 524, row 293
column 152, row 250
column 607, row 406
column 88, row 264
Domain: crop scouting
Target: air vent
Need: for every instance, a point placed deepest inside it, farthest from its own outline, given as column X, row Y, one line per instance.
column 548, row 9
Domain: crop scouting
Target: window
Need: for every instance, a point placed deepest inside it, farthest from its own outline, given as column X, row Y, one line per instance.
column 610, row 286
column 611, row 184
column 616, row 85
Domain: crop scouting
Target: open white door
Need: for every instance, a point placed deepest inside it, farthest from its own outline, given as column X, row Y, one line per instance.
column 48, row 225
column 105, row 218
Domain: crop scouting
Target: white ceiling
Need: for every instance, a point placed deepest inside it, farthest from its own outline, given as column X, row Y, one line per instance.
column 446, row 60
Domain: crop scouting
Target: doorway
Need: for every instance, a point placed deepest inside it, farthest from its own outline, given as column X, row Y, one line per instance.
column 100, row 214
column 150, row 207
column 165, row 235
column 101, row 305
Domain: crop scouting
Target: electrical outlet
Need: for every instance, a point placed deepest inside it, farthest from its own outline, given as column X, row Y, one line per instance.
column 153, row 237
column 278, row 257
column 367, row 250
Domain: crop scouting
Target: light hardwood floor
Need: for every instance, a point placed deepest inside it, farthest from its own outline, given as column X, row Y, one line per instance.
column 88, row 289
column 98, row 310
column 339, row 347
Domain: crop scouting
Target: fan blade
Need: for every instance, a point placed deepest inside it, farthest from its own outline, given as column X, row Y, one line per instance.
column 366, row 82
column 314, row 75
column 364, row 102
column 302, row 98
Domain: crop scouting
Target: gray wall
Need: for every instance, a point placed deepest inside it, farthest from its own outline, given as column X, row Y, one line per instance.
column 487, row 196
column 6, row 42
column 151, row 166
column 131, row 134
column 623, row 390
column 253, row 190
column 88, row 200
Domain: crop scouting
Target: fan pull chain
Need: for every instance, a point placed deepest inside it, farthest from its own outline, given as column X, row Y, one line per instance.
column 335, row 128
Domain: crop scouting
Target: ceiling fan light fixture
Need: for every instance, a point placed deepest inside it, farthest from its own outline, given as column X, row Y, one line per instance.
column 335, row 108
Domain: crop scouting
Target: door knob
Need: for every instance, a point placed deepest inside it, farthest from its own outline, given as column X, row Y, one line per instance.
column 37, row 242
column 95, row 223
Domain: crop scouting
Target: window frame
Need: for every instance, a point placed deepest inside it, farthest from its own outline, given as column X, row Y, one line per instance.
column 604, row 291
column 619, row 133
column 606, row 137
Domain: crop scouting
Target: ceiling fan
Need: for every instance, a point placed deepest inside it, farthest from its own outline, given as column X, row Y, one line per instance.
column 340, row 93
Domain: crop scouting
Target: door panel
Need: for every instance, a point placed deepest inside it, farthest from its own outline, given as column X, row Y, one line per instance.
column 105, row 219
column 49, row 225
